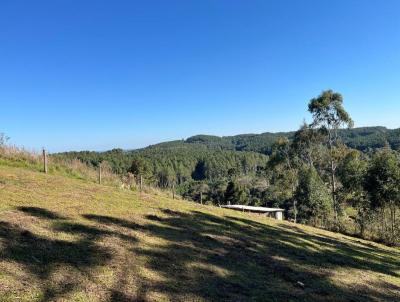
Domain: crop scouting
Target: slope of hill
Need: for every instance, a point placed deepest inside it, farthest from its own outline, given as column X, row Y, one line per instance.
column 65, row 239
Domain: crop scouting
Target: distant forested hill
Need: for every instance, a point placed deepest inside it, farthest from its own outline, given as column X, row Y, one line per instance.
column 358, row 138
column 220, row 153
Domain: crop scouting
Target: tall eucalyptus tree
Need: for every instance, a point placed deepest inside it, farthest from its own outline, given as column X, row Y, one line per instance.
column 329, row 116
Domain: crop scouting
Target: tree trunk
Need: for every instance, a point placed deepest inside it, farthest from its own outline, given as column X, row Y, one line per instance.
column 392, row 216
column 335, row 207
column 383, row 222
column 333, row 180
column 294, row 201
column 362, row 230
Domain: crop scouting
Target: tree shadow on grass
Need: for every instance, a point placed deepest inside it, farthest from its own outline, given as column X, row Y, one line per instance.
column 200, row 257
column 40, row 213
column 354, row 253
column 235, row 259
column 42, row 256
column 112, row 220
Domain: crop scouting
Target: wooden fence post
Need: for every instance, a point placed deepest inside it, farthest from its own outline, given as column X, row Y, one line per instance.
column 141, row 183
column 44, row 161
column 100, row 173
column 131, row 179
column 173, row 191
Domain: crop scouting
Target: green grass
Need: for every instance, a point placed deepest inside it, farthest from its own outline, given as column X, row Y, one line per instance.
column 63, row 239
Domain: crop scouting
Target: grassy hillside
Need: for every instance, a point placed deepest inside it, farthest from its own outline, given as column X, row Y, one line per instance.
column 65, row 239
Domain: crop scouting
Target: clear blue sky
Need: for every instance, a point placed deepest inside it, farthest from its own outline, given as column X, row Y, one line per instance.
column 103, row 74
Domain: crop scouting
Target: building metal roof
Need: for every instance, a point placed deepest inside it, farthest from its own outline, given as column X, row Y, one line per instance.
column 252, row 209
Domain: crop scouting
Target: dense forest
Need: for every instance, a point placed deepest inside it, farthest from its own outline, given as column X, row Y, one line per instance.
column 327, row 173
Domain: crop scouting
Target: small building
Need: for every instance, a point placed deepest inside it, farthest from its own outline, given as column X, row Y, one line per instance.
column 276, row 213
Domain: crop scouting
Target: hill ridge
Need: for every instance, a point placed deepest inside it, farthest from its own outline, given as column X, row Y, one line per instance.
column 360, row 138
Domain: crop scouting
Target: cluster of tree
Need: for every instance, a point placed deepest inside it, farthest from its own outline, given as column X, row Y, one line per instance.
column 176, row 164
column 319, row 177
column 118, row 159
column 3, row 139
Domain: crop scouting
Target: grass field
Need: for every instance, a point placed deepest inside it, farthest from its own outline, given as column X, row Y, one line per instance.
column 64, row 239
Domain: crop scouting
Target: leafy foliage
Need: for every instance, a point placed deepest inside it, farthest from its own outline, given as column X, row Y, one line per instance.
column 314, row 203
